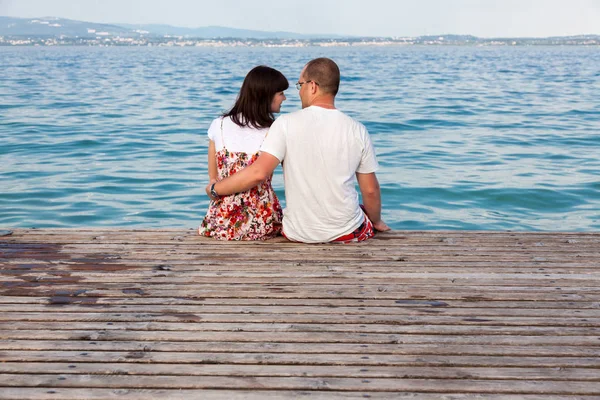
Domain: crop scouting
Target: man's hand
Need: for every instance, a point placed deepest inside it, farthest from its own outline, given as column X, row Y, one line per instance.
column 381, row 226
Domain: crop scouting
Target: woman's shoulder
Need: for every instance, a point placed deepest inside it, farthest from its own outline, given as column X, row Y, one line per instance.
column 228, row 123
column 215, row 128
column 217, row 121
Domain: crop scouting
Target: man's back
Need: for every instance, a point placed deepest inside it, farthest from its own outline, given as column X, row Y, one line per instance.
column 321, row 150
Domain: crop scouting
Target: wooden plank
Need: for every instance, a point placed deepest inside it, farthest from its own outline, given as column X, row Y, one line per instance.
column 67, row 311
column 193, row 394
column 302, row 383
column 358, row 288
column 316, row 319
column 434, row 294
column 491, row 249
column 176, row 313
column 280, row 336
column 182, row 234
column 193, row 252
column 498, row 279
column 135, row 269
column 303, row 331
column 345, row 333
column 269, row 358
column 127, row 261
column 448, row 348
column 182, row 304
column 412, row 372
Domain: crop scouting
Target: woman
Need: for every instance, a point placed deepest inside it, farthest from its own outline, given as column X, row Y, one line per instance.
column 235, row 140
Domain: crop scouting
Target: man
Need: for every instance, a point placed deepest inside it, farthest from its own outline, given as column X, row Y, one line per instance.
column 322, row 150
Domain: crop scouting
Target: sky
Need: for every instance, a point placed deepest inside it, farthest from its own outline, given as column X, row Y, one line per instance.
column 483, row 18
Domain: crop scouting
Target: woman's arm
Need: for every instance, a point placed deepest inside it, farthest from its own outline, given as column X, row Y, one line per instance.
column 212, row 162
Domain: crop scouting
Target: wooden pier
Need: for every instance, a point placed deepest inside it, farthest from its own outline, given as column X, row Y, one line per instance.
column 165, row 314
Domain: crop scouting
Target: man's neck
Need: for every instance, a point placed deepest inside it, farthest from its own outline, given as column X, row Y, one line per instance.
column 324, row 102
column 329, row 106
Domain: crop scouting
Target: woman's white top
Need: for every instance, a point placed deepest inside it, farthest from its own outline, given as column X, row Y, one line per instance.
column 236, row 138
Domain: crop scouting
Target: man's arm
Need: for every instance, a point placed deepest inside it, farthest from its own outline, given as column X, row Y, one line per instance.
column 371, row 196
column 247, row 178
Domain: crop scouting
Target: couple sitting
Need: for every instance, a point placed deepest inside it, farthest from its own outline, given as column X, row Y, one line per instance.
column 321, row 150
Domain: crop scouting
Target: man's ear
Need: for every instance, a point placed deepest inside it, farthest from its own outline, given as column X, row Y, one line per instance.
column 314, row 88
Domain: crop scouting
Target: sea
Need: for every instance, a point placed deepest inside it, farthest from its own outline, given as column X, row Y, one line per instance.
column 467, row 138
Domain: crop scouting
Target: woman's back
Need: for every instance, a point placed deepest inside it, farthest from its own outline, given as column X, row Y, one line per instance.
column 252, row 215
column 236, row 138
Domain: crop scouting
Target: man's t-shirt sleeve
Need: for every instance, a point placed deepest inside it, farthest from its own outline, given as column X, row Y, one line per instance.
column 274, row 143
column 368, row 161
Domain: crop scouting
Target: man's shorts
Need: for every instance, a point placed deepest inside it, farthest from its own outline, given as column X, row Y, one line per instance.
column 363, row 232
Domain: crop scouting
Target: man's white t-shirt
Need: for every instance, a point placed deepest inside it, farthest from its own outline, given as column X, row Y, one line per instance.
column 237, row 138
column 321, row 150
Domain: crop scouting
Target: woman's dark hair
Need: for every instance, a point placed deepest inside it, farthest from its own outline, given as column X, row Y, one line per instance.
column 253, row 105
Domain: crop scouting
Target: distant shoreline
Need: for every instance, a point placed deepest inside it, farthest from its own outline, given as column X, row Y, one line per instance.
column 170, row 41
column 53, row 31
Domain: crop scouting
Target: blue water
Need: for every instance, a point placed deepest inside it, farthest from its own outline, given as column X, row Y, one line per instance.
column 467, row 137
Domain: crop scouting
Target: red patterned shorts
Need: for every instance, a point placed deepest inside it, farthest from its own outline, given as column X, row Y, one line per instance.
column 363, row 232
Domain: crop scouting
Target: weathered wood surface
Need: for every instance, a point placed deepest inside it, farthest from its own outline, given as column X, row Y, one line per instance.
column 165, row 314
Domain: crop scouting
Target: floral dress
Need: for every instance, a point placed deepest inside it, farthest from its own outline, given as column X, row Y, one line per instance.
column 252, row 215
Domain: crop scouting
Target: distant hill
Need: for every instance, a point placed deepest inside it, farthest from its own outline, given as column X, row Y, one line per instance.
column 52, row 26
column 220, row 32
column 67, row 30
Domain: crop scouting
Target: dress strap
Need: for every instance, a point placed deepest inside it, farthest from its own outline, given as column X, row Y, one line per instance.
column 222, row 137
column 264, row 138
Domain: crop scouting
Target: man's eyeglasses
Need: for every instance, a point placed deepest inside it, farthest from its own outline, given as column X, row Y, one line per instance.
column 299, row 84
